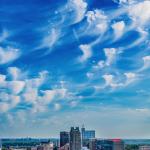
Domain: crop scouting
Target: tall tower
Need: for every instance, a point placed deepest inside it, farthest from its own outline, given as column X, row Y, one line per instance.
column 75, row 139
column 64, row 138
column 87, row 135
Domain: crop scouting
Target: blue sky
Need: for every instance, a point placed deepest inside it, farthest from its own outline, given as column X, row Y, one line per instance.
column 71, row 62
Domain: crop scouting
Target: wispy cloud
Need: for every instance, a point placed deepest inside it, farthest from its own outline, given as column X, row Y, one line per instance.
column 8, row 54
column 86, row 52
column 75, row 56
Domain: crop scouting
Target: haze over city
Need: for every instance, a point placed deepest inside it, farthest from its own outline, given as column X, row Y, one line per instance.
column 66, row 63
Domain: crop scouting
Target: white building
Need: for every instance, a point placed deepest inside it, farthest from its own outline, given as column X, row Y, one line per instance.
column 145, row 147
column 0, row 145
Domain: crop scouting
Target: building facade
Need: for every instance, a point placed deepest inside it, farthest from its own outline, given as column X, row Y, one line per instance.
column 0, row 144
column 65, row 147
column 86, row 136
column 100, row 144
column 145, row 147
column 118, row 144
column 106, row 144
column 75, row 139
column 64, row 138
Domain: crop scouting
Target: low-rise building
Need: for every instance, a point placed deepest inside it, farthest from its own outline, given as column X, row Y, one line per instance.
column 145, row 147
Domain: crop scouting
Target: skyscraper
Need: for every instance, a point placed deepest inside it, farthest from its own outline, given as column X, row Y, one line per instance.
column 87, row 135
column 75, row 139
column 64, row 138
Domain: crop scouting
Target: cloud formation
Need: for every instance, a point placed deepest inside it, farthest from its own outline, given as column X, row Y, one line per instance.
column 73, row 58
column 8, row 54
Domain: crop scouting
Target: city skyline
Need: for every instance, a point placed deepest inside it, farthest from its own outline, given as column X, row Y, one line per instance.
column 71, row 62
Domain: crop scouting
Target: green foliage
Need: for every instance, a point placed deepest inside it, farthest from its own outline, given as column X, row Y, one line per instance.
column 3, row 148
column 132, row 147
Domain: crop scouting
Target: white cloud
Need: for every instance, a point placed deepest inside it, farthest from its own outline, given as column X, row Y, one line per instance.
column 124, row 1
column 130, row 77
column 30, row 95
column 4, row 107
column 73, row 103
column 98, row 21
column 119, row 81
column 61, row 92
column 4, row 96
column 89, row 75
column 140, row 13
column 14, row 72
column 101, row 64
column 3, row 36
column 36, row 82
column 146, row 60
column 39, row 108
column 14, row 100
column 86, row 52
column 8, row 54
column 2, row 78
column 79, row 7
column 50, row 40
column 28, row 90
column 8, row 101
column 57, row 106
column 15, row 86
column 48, row 96
column 110, row 54
column 109, row 79
column 118, row 28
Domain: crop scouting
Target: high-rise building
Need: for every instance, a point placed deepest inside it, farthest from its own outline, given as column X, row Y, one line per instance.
column 75, row 139
column 87, row 135
column 64, row 138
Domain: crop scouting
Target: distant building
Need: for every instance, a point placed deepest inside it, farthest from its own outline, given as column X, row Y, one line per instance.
column 118, row 144
column 0, row 144
column 64, row 138
column 92, row 144
column 65, row 147
column 84, row 148
column 75, row 139
column 145, row 147
column 34, row 148
column 106, row 144
column 45, row 146
column 87, row 135
column 40, row 147
column 17, row 148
